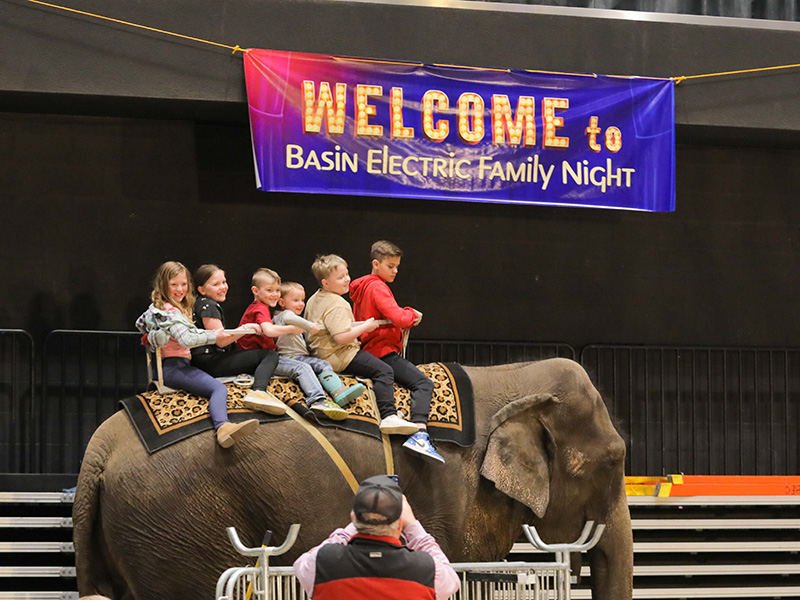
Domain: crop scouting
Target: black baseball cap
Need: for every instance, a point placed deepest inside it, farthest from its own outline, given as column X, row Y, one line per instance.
column 378, row 501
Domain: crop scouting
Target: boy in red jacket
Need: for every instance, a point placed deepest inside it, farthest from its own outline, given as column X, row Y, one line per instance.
column 372, row 297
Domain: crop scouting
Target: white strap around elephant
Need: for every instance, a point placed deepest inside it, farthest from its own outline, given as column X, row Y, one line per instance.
column 388, row 457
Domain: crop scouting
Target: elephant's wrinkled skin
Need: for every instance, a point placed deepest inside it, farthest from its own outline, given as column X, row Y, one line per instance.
column 152, row 527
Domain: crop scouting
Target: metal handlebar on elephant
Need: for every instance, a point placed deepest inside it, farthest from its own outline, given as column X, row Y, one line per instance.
column 357, row 323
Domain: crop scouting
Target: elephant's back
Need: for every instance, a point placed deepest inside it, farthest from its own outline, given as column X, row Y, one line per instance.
column 516, row 377
column 496, row 386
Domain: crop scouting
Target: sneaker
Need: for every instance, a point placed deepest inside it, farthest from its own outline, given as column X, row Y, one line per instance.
column 420, row 443
column 397, row 424
column 329, row 409
column 228, row 433
column 349, row 394
column 263, row 401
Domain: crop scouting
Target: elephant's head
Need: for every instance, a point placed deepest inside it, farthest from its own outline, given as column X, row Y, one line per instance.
column 558, row 454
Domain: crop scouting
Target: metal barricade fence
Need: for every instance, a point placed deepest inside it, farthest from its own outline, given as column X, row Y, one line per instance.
column 479, row 581
column 16, row 400
column 715, row 411
column 724, row 411
column 84, row 376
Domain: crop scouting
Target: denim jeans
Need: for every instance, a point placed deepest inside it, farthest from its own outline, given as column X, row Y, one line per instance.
column 181, row 375
column 320, row 366
column 304, row 375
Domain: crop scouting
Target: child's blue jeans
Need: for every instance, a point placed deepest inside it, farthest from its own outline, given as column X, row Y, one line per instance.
column 305, row 377
column 181, row 375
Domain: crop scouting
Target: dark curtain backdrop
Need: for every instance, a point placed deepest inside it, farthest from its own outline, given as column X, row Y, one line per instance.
column 780, row 10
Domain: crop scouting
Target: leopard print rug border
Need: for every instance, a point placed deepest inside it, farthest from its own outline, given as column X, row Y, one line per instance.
column 162, row 419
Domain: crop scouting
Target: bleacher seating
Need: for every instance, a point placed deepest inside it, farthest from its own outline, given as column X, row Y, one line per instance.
column 709, row 546
column 37, row 558
column 684, row 547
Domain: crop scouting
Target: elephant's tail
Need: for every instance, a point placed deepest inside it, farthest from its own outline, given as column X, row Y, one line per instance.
column 92, row 570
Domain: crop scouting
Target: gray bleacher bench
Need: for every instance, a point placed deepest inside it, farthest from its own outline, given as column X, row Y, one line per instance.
column 17, row 526
column 739, row 547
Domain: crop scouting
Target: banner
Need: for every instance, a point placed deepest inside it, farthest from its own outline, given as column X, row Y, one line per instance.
column 331, row 125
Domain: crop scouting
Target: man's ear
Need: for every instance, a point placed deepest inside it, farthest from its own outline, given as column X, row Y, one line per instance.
column 323, row 283
column 375, row 263
column 254, row 289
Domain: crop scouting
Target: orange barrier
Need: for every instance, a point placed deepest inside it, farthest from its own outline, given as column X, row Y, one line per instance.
column 713, row 485
column 643, row 486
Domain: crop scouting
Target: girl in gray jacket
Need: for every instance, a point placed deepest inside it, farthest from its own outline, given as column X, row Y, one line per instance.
column 168, row 325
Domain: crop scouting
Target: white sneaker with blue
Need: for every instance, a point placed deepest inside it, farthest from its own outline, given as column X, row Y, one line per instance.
column 420, row 443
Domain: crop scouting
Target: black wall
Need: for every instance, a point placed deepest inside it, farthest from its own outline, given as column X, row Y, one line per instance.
column 92, row 205
column 120, row 149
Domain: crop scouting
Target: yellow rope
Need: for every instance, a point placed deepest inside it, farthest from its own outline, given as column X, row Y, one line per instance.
column 236, row 48
column 186, row 37
column 684, row 77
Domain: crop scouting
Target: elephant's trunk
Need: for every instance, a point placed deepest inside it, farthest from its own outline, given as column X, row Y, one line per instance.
column 612, row 559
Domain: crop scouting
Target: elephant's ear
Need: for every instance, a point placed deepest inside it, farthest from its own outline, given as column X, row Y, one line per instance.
column 516, row 459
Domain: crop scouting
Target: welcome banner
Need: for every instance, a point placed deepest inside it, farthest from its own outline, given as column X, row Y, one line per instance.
column 331, row 125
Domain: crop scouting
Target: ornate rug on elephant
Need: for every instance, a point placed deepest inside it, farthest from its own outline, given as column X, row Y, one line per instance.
column 163, row 419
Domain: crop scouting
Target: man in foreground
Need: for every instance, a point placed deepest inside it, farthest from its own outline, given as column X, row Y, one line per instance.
column 367, row 559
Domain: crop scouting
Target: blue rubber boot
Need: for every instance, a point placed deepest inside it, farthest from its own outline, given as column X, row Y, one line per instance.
column 338, row 391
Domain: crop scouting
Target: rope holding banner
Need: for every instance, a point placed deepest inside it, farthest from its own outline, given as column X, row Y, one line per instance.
column 129, row 24
column 720, row 74
column 237, row 48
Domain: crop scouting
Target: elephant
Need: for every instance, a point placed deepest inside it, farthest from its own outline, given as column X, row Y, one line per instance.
column 152, row 526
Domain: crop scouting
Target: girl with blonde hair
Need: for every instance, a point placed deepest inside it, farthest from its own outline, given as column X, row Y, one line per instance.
column 168, row 325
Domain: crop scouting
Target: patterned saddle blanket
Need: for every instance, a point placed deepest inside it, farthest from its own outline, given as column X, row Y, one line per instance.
column 164, row 419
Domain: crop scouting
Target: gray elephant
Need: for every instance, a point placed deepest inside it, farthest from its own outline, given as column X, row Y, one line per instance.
column 152, row 527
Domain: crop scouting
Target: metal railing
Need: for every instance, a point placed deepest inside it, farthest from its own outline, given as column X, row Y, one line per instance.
column 479, row 581
column 17, row 382
column 713, row 411
column 697, row 410
column 84, row 376
column 563, row 580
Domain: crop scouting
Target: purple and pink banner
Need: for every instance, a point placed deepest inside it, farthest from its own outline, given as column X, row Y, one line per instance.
column 332, row 125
